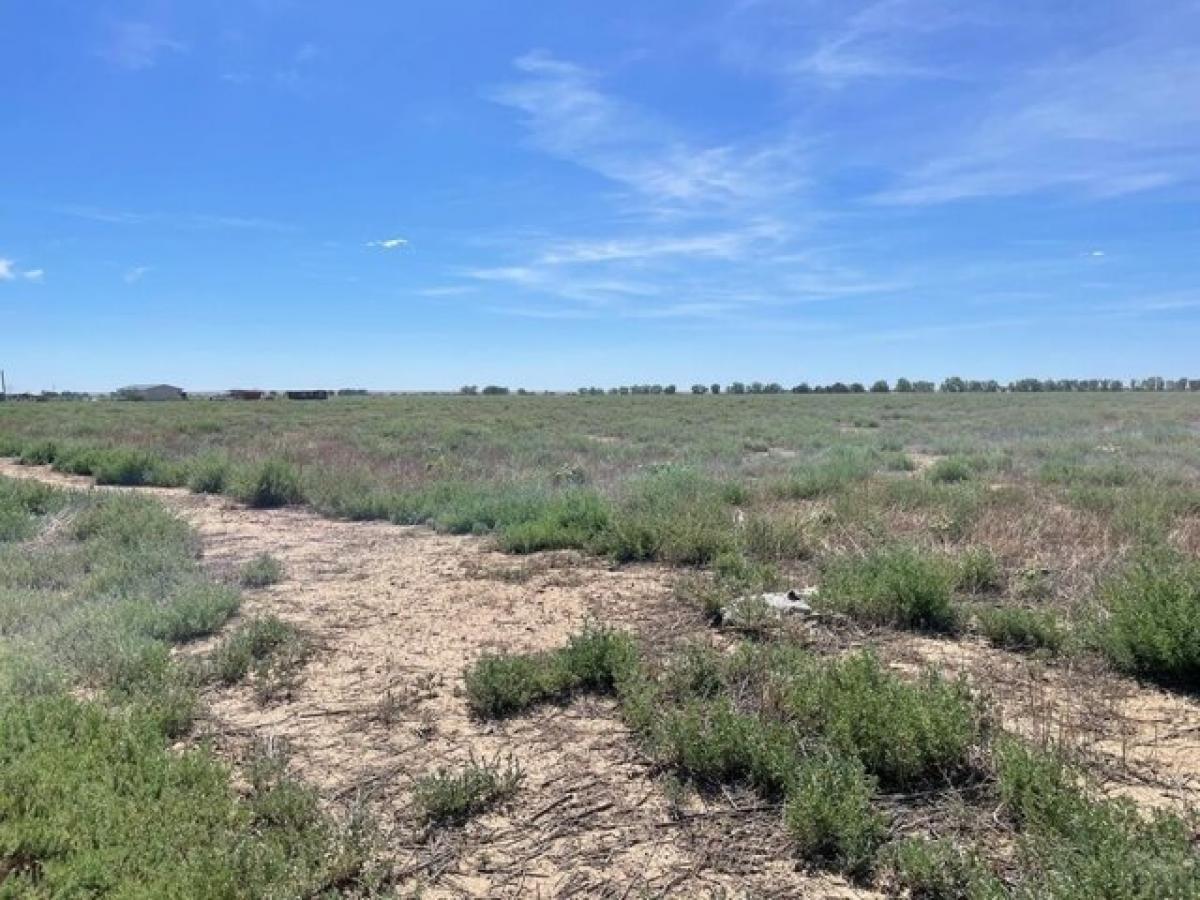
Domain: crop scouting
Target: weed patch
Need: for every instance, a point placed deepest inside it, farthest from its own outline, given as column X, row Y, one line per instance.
column 899, row 586
column 452, row 798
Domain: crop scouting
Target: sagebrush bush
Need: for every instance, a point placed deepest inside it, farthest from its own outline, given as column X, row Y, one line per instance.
column 1072, row 846
column 829, row 814
column 573, row 519
column 903, row 732
column 977, row 571
column 950, row 470
column 939, row 870
column 899, row 586
column 254, row 641
column 1017, row 628
column 1151, row 624
column 675, row 516
column 261, row 571
column 499, row 685
column 843, row 468
column 209, row 474
column 93, row 799
column 269, row 484
column 451, row 798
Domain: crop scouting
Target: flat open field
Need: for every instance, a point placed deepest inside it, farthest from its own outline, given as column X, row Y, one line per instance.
column 519, row 646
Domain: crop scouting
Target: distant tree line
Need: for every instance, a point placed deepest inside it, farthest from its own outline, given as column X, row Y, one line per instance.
column 952, row 385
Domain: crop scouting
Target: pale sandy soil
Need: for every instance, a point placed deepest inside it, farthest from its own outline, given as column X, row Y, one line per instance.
column 400, row 612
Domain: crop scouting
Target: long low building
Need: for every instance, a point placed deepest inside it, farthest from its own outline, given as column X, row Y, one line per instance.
column 151, row 392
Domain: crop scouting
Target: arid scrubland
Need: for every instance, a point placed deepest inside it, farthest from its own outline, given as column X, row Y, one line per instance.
column 991, row 695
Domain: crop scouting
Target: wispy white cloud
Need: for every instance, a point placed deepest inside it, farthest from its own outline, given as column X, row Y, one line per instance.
column 569, row 116
column 1104, row 122
column 136, row 274
column 138, row 45
column 174, row 220
column 10, row 272
column 389, row 243
column 446, row 290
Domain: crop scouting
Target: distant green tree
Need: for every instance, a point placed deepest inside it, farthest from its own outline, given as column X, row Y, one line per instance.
column 904, row 386
column 714, row 388
column 880, row 387
column 669, row 389
column 699, row 389
column 737, row 388
column 468, row 389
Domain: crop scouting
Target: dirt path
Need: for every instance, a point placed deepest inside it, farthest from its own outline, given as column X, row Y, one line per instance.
column 396, row 614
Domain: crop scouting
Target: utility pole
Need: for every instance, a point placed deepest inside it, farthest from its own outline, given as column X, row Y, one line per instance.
column 3, row 386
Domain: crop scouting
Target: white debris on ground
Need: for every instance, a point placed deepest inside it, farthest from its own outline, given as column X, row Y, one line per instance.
column 784, row 603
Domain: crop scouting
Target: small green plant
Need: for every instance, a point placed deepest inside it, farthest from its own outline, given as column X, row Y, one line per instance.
column 977, row 571
column 1016, row 628
column 272, row 483
column 209, row 474
column 829, row 813
column 898, row 586
column 1152, row 619
column 253, row 642
column 938, row 870
column 595, row 659
column 262, row 571
column 452, row 798
column 950, row 470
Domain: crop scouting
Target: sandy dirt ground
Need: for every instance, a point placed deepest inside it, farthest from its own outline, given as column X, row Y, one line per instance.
column 396, row 614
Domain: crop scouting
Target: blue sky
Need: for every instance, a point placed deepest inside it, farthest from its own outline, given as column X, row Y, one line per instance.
column 426, row 194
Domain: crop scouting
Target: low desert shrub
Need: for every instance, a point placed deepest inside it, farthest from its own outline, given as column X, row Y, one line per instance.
column 675, row 516
column 829, row 814
column 1016, row 628
column 271, row 483
column 261, row 571
column 1151, row 624
column 573, row 519
column 898, row 586
column 451, row 798
column 499, row 685
column 253, row 642
column 977, row 571
column 950, row 470
column 209, row 474
column 937, row 869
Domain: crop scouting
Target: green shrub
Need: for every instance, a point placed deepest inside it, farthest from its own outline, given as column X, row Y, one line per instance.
column 903, row 732
column 209, row 474
column 261, row 571
column 255, row 641
column 451, row 798
column 899, row 586
column 675, row 516
column 977, row 571
column 829, row 814
column 128, row 468
column 269, row 484
column 1014, row 628
column 939, row 870
column 573, row 519
column 1072, row 846
column 196, row 608
column 711, row 741
column 594, row 659
column 830, row 476
column 39, row 453
column 1152, row 619
column 773, row 539
column 950, row 470
column 22, row 503
column 95, row 804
